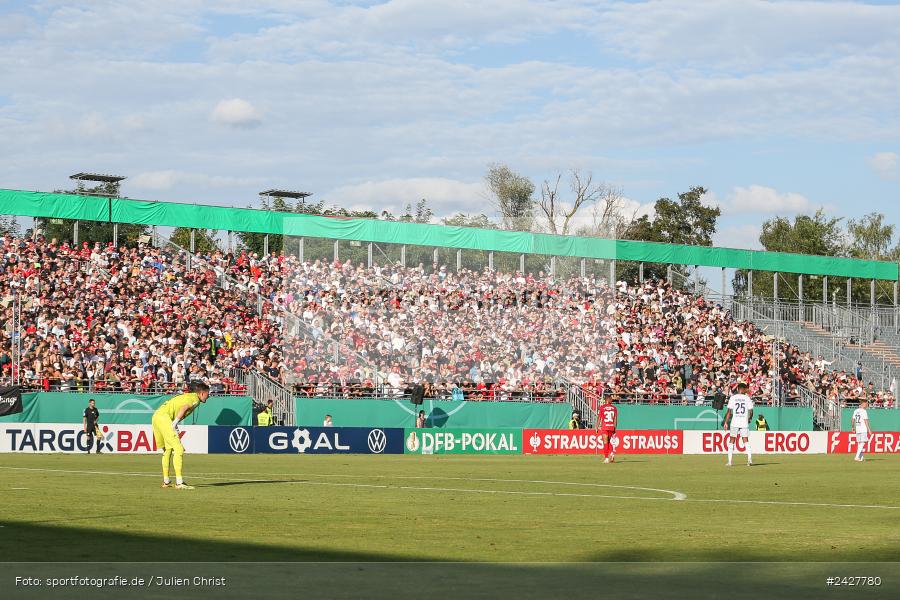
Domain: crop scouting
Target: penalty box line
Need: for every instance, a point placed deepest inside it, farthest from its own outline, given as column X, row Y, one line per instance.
column 230, row 477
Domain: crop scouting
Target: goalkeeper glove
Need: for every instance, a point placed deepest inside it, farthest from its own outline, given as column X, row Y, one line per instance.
column 175, row 426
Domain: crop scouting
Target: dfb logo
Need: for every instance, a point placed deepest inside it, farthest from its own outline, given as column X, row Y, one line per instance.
column 377, row 441
column 239, row 440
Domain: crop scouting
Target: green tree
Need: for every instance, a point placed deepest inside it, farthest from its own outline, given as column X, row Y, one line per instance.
column 480, row 221
column 8, row 225
column 512, row 195
column 90, row 231
column 815, row 234
column 871, row 237
column 476, row 260
column 204, row 239
column 684, row 221
column 254, row 241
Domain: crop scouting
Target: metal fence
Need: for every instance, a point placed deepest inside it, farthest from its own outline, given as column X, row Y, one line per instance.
column 133, row 386
column 361, row 390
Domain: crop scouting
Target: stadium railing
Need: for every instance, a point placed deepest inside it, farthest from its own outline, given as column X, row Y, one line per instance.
column 136, row 386
column 359, row 390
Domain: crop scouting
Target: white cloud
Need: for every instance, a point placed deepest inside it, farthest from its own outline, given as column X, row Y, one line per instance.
column 885, row 164
column 392, row 94
column 396, row 26
column 744, row 236
column 766, row 200
column 746, row 35
column 445, row 196
column 168, row 179
column 236, row 113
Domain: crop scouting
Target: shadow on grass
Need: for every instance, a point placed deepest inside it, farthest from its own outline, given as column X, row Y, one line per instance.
column 256, row 482
column 283, row 571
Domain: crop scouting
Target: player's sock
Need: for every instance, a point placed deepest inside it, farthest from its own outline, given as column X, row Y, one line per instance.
column 859, row 453
column 730, row 449
column 165, row 463
column 749, row 454
column 179, row 481
column 177, row 459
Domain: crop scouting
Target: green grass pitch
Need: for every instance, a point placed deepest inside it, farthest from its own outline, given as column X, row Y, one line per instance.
column 520, row 509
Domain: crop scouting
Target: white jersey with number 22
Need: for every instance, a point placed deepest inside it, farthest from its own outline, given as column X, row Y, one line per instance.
column 740, row 406
column 860, row 416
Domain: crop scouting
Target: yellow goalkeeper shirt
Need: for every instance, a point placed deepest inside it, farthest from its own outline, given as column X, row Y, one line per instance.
column 171, row 407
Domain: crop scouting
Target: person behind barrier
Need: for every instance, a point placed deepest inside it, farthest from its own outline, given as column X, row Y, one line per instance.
column 575, row 422
column 761, row 424
column 265, row 418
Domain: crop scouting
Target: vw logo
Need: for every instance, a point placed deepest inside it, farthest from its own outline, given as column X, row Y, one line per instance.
column 377, row 441
column 239, row 440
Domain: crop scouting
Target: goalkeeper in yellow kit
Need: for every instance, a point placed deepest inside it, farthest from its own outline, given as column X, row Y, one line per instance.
column 165, row 429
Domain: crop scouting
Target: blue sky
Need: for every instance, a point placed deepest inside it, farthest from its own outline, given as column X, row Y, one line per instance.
column 775, row 107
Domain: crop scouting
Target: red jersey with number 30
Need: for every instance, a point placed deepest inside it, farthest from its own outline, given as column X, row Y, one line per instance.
column 609, row 415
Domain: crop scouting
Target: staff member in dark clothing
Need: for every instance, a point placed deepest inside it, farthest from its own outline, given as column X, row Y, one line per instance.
column 91, row 417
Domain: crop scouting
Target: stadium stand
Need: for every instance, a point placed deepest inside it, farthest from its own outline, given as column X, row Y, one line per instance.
column 144, row 319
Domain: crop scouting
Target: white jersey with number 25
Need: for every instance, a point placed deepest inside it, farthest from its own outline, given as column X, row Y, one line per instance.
column 740, row 406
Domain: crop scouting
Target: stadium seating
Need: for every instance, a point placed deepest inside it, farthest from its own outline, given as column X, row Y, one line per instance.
column 139, row 319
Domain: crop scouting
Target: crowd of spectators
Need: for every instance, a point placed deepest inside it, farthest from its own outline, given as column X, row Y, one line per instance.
column 138, row 318
column 674, row 346
column 105, row 318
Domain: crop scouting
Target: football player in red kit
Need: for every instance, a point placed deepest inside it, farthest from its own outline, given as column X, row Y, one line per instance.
column 608, row 419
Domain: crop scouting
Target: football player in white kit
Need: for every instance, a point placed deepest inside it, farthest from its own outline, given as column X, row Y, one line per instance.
column 737, row 421
column 860, row 420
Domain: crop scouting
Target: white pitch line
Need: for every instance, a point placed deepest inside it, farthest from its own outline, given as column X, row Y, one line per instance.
column 675, row 495
column 227, row 477
column 790, row 503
